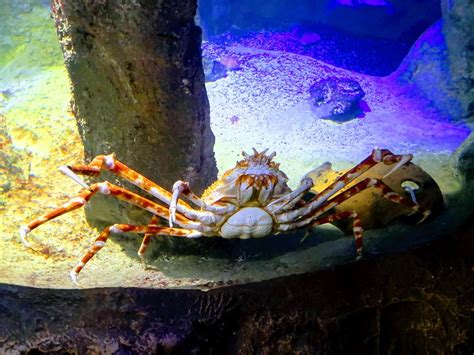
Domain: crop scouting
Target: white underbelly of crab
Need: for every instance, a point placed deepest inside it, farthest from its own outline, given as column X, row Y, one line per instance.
column 249, row 222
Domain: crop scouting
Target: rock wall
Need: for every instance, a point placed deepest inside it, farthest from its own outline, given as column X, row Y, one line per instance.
column 463, row 161
column 426, row 67
column 458, row 29
column 138, row 89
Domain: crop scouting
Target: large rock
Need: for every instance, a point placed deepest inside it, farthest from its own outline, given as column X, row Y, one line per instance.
column 138, row 88
column 458, row 28
column 213, row 69
column 427, row 67
column 336, row 98
column 463, row 161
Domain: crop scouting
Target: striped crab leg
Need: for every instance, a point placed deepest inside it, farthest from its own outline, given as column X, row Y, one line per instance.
column 356, row 226
column 289, row 200
column 181, row 188
column 110, row 163
column 146, row 240
column 106, row 188
column 378, row 156
column 386, row 191
column 149, row 230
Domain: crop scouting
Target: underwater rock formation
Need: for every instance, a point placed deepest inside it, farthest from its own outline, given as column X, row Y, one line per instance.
column 417, row 302
column 215, row 69
column 463, row 161
column 336, row 98
column 138, row 90
column 441, row 65
column 426, row 67
column 458, row 18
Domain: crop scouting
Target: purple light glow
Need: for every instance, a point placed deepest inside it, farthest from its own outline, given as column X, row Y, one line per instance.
column 270, row 95
column 379, row 3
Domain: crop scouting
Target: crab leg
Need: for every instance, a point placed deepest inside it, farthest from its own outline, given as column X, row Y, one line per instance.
column 146, row 240
column 287, row 201
column 100, row 241
column 74, row 203
column 386, row 191
column 105, row 188
column 356, row 226
column 377, row 156
column 109, row 163
column 182, row 188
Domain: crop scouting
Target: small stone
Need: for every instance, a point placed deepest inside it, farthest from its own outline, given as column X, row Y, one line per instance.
column 309, row 38
column 336, row 98
column 213, row 69
column 230, row 63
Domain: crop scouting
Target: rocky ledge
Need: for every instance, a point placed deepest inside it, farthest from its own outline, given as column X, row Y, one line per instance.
column 419, row 301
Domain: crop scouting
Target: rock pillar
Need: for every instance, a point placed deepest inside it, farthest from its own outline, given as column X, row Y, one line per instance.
column 138, row 89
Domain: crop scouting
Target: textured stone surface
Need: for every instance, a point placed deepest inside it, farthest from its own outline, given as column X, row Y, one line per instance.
column 415, row 302
column 138, row 89
column 440, row 62
column 458, row 18
column 427, row 68
column 12, row 173
column 336, row 98
column 463, row 161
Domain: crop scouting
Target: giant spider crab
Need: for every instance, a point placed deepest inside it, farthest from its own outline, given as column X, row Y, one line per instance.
column 251, row 200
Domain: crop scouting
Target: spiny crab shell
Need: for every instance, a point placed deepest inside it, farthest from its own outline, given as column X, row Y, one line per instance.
column 255, row 172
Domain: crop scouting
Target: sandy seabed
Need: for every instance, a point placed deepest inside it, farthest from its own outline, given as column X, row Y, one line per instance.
column 265, row 104
column 270, row 96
